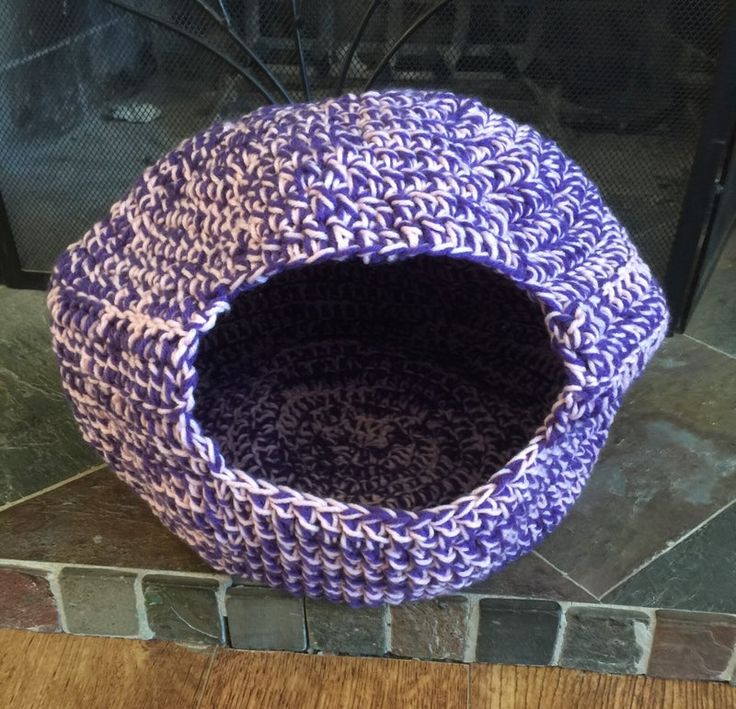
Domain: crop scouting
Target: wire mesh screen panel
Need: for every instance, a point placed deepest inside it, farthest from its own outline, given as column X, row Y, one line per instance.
column 93, row 91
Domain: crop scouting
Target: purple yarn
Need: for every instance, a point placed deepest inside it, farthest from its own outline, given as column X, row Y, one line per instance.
column 365, row 349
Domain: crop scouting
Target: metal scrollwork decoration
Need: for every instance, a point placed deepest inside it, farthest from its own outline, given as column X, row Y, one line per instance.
column 255, row 70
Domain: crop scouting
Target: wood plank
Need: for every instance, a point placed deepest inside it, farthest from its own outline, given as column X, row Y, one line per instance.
column 63, row 671
column 511, row 687
column 279, row 680
column 60, row 671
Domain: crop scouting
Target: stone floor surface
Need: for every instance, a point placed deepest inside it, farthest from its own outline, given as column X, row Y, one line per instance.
column 655, row 526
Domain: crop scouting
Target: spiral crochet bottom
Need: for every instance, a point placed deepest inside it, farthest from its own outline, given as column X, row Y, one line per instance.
column 404, row 384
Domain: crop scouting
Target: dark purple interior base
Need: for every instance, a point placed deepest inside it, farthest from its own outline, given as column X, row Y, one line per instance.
column 405, row 384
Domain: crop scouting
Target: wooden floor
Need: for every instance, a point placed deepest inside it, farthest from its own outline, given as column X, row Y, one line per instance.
column 59, row 671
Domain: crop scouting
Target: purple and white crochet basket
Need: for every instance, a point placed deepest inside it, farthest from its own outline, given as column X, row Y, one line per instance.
column 366, row 349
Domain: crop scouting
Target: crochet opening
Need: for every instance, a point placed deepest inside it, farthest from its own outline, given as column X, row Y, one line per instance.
column 403, row 384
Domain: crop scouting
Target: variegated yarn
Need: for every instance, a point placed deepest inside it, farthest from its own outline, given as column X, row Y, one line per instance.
column 366, row 349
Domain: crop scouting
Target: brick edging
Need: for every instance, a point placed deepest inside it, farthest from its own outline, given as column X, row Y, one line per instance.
column 215, row 609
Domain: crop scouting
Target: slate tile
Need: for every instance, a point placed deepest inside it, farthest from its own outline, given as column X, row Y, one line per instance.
column 604, row 639
column 96, row 520
column 699, row 573
column 40, row 444
column 340, row 629
column 670, row 463
column 99, row 602
column 265, row 619
column 692, row 645
column 433, row 629
column 516, row 631
column 714, row 319
column 27, row 601
column 182, row 609
column 531, row 576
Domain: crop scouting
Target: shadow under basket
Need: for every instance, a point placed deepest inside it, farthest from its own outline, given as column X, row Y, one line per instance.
column 404, row 385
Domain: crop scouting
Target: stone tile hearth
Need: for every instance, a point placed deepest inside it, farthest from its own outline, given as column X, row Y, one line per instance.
column 94, row 520
column 670, row 463
column 653, row 531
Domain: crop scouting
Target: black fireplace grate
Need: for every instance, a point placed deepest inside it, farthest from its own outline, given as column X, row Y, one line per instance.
column 91, row 91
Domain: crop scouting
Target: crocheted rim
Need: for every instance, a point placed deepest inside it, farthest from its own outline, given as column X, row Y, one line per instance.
column 494, row 495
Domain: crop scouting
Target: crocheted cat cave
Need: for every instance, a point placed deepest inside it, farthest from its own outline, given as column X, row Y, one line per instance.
column 366, row 349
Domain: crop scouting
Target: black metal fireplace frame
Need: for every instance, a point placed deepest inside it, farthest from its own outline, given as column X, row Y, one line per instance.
column 708, row 210
column 11, row 271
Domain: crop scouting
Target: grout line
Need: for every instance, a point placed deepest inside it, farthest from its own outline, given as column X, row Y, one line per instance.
column 144, row 629
column 710, row 347
column 729, row 674
column 205, row 678
column 561, row 630
column 471, row 632
column 53, row 487
column 388, row 639
column 566, row 575
column 306, row 625
column 56, row 566
column 220, row 595
column 55, row 586
column 667, row 549
column 644, row 636
column 222, row 586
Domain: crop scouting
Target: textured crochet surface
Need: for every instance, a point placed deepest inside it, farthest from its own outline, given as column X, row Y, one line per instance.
column 366, row 349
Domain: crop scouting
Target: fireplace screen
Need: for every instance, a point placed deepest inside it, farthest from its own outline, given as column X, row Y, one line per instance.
column 93, row 91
